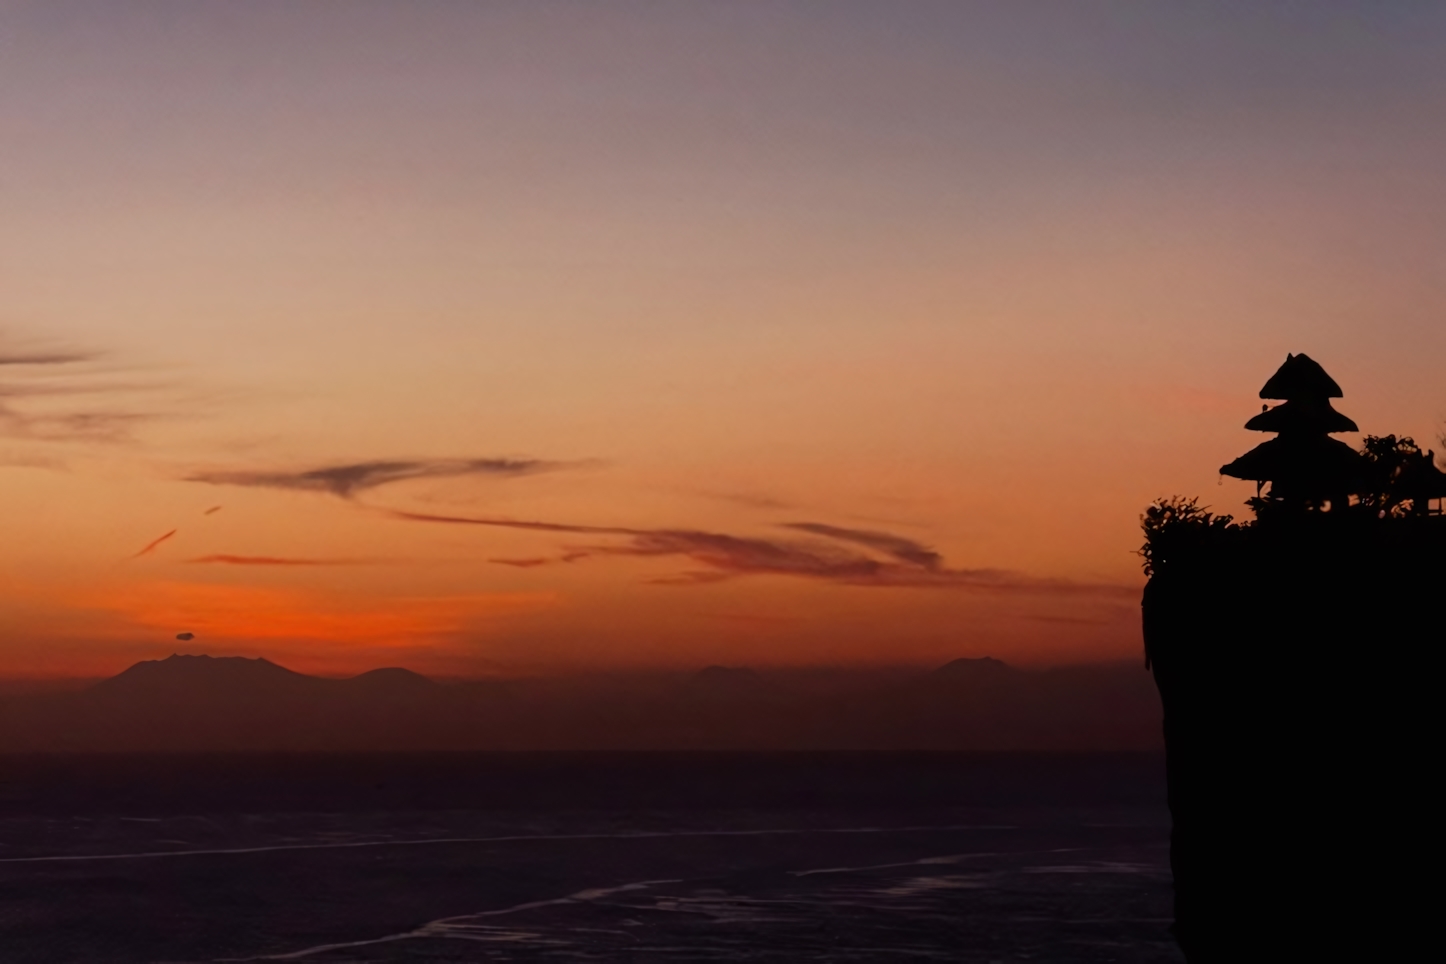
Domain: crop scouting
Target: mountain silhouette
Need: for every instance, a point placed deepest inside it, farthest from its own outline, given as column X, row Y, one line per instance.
column 179, row 674
column 984, row 669
column 391, row 679
column 238, row 678
column 199, row 703
column 240, row 674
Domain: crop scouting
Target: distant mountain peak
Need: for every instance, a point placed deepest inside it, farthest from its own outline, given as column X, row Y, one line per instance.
column 186, row 670
column 204, row 663
column 391, row 677
column 183, row 675
column 208, row 658
column 973, row 667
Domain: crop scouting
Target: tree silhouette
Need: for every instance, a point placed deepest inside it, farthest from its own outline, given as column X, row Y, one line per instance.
column 1177, row 525
column 1390, row 461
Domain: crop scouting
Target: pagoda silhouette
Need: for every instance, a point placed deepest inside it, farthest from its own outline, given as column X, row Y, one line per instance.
column 1304, row 466
column 1293, row 656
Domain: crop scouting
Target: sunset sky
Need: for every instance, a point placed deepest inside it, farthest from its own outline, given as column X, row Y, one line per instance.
column 512, row 338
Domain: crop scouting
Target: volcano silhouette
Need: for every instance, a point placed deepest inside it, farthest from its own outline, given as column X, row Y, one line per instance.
column 243, row 679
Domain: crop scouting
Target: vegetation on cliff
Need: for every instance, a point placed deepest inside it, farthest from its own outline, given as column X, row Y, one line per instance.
column 1395, row 486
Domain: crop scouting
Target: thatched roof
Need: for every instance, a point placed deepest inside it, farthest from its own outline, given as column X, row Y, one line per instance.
column 1310, row 464
column 1302, row 415
column 1300, row 377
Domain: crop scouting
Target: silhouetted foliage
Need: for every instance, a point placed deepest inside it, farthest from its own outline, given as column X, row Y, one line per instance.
column 1389, row 459
column 1178, row 524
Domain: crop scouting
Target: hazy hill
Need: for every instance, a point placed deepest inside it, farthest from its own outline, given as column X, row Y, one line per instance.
column 230, row 703
column 203, row 703
column 234, row 677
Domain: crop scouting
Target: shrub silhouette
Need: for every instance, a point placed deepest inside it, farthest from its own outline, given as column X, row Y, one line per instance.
column 1391, row 461
column 1178, row 525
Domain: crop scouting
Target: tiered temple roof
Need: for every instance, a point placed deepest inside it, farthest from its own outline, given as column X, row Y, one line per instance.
column 1303, row 464
column 1301, row 416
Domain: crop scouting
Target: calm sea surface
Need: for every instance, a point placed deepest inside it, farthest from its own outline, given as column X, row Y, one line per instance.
column 656, row 858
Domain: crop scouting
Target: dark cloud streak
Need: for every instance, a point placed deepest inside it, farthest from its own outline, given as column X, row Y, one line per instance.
column 70, row 426
column 47, row 358
column 508, row 523
column 347, row 480
column 905, row 550
column 227, row 559
column 37, row 375
column 907, row 564
column 154, row 543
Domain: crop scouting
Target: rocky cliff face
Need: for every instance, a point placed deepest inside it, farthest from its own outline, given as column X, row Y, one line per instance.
column 1295, row 660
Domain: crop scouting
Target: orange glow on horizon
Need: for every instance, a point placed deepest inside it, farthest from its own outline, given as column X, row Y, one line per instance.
column 232, row 613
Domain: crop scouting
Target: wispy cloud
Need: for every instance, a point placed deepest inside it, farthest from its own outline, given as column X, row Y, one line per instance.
column 752, row 500
column 835, row 556
column 154, row 544
column 38, row 391
column 815, row 550
column 905, row 550
column 227, row 559
column 724, row 555
column 532, row 562
column 535, row 526
column 349, row 479
column 45, row 357
column 90, row 426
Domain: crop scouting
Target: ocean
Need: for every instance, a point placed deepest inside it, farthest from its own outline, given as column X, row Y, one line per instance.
column 585, row 857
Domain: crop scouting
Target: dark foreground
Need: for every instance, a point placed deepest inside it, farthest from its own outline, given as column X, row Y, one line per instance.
column 568, row 858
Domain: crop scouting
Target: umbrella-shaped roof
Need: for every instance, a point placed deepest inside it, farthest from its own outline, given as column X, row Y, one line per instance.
column 1302, row 415
column 1309, row 464
column 1300, row 377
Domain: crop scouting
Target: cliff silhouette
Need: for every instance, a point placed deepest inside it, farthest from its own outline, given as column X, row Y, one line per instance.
column 1291, row 656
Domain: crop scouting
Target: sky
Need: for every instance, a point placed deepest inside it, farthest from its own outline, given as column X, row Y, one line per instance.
column 517, row 338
